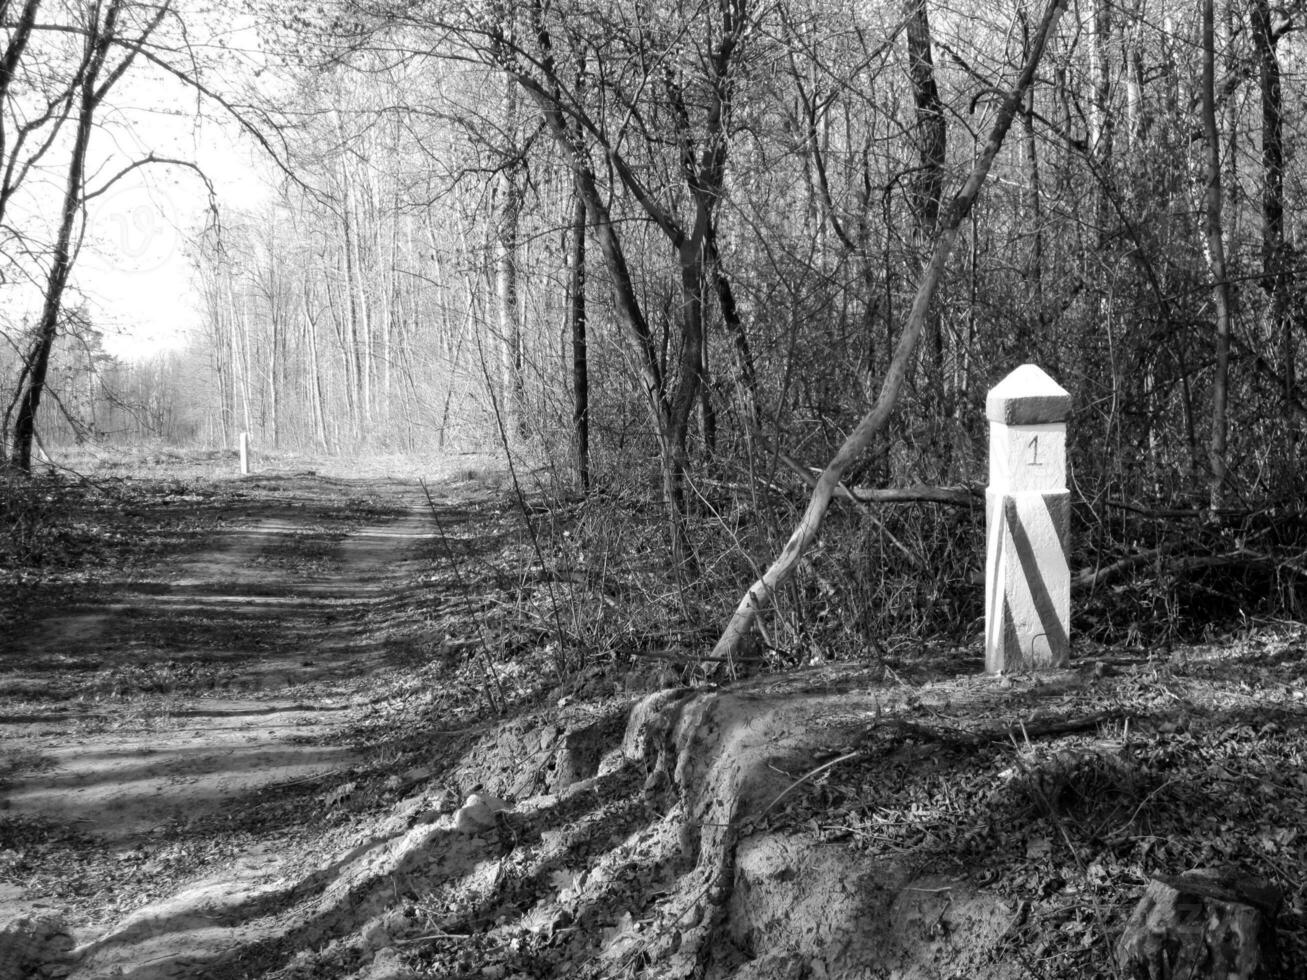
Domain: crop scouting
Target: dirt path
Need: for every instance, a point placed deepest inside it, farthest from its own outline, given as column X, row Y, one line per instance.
column 192, row 687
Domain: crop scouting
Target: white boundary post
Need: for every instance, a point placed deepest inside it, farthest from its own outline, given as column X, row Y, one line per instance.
column 1027, row 519
column 245, row 454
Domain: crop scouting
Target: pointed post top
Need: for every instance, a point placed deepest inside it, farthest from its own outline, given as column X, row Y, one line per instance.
column 1027, row 396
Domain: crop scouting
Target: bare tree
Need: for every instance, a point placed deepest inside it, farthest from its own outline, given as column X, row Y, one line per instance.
column 96, row 75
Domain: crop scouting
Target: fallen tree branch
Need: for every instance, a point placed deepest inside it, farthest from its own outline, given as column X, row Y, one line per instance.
column 1180, row 513
column 1092, row 577
column 1238, row 558
column 960, row 496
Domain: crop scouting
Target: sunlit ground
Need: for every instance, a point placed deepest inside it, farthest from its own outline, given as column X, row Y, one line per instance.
column 153, row 461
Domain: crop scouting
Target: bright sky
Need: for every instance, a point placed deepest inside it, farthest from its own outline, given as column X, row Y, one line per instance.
column 134, row 271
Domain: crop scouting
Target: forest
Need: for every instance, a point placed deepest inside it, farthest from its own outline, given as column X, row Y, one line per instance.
column 616, row 377
column 684, row 252
column 762, row 191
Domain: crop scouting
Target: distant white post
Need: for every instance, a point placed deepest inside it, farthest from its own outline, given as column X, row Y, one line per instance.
column 1027, row 518
column 245, row 454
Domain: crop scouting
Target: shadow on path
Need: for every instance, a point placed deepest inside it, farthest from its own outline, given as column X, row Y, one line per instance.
column 219, row 675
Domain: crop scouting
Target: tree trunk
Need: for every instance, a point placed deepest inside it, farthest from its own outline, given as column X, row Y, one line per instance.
column 508, row 212
column 13, row 53
column 341, row 330
column 222, row 353
column 745, row 381
column 37, row 361
column 1034, row 272
column 1102, row 123
column 242, row 318
column 1275, row 278
column 927, row 187
column 1137, row 111
column 707, row 410
column 580, row 357
column 1216, row 260
column 315, row 374
column 357, row 324
column 760, row 593
column 276, row 362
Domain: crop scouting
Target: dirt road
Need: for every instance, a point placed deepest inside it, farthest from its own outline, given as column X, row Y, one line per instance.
column 192, row 691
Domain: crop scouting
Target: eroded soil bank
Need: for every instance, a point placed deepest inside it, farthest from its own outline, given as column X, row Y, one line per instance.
column 240, row 745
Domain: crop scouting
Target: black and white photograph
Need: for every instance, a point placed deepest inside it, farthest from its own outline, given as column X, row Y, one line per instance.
column 653, row 490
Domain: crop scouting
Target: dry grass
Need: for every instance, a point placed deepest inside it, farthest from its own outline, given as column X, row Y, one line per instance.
column 153, row 462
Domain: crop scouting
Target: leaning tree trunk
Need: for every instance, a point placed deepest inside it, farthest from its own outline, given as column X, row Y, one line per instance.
column 38, row 356
column 759, row 594
column 20, row 35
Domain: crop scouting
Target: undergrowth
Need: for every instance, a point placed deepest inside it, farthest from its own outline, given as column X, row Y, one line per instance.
column 33, row 521
column 594, row 579
column 882, row 580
